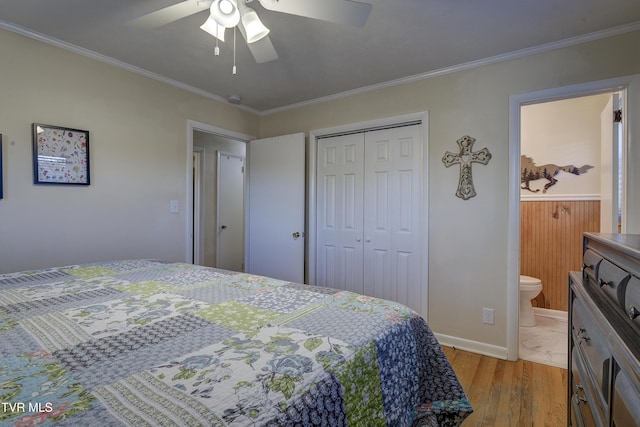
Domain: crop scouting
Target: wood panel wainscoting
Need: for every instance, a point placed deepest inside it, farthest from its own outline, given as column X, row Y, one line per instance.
column 551, row 244
column 510, row 394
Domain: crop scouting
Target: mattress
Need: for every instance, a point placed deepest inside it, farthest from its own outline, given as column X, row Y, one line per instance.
column 145, row 343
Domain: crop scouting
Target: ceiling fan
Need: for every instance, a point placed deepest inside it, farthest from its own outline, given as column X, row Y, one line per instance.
column 226, row 14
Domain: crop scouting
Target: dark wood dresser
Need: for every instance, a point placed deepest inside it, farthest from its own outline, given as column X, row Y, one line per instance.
column 604, row 333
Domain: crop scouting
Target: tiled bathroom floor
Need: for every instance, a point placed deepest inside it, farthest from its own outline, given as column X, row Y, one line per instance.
column 546, row 342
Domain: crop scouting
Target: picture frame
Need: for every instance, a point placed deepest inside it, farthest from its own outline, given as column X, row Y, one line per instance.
column 60, row 155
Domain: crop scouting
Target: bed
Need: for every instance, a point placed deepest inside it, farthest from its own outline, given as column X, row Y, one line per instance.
column 144, row 342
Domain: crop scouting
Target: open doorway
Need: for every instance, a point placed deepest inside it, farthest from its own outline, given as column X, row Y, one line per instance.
column 570, row 154
column 206, row 144
column 284, row 182
column 631, row 84
column 218, row 226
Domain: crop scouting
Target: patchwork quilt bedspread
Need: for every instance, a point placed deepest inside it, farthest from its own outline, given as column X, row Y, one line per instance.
column 145, row 343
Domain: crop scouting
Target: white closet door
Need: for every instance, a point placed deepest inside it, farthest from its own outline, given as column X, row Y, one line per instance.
column 368, row 198
column 392, row 198
column 339, row 194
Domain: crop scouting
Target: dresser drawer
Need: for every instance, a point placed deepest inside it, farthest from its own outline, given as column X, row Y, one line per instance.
column 584, row 412
column 591, row 343
column 632, row 301
column 626, row 403
column 590, row 262
column 613, row 281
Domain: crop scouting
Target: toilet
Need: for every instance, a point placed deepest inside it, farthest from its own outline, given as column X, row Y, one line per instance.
column 530, row 287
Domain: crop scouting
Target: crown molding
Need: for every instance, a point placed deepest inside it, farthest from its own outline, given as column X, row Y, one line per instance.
column 634, row 26
column 116, row 63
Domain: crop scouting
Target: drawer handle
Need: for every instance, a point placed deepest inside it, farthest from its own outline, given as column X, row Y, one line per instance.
column 604, row 282
column 582, row 335
column 633, row 312
column 580, row 388
column 585, row 266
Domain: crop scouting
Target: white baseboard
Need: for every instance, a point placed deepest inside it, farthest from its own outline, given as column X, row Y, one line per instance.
column 547, row 312
column 472, row 346
column 493, row 350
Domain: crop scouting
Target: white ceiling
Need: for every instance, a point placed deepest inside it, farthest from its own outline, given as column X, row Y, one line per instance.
column 402, row 39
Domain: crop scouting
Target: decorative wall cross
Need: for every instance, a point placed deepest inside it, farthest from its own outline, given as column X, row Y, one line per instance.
column 464, row 159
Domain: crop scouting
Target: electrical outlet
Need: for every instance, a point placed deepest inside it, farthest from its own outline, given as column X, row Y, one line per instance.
column 488, row 316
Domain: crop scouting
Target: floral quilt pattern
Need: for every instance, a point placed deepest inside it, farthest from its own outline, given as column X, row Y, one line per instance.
column 147, row 343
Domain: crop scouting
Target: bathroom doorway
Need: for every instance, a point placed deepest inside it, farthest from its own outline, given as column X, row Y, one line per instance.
column 621, row 85
column 567, row 150
column 563, row 140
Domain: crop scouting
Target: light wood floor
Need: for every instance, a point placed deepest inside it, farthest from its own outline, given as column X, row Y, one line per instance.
column 510, row 394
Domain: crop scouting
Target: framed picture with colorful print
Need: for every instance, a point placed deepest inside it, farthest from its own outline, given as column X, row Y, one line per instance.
column 60, row 155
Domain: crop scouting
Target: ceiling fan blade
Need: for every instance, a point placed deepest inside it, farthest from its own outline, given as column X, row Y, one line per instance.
column 169, row 14
column 262, row 50
column 346, row 12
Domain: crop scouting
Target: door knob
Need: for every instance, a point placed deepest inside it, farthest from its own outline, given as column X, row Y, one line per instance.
column 296, row 234
column 223, row 227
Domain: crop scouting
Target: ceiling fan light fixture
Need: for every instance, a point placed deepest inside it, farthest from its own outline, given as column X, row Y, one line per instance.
column 254, row 28
column 225, row 13
column 225, row 7
column 213, row 28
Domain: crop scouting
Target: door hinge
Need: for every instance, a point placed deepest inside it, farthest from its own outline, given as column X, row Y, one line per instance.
column 617, row 116
column 241, row 169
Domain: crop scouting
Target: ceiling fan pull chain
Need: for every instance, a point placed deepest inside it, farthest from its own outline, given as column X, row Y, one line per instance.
column 216, row 50
column 234, row 51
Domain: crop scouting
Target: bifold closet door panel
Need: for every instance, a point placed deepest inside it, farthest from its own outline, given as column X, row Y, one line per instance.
column 392, row 195
column 339, row 201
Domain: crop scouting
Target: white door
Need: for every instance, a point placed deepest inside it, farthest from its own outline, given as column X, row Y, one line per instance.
column 392, row 232
column 609, row 164
column 276, row 202
column 230, row 217
column 368, row 198
column 340, row 193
